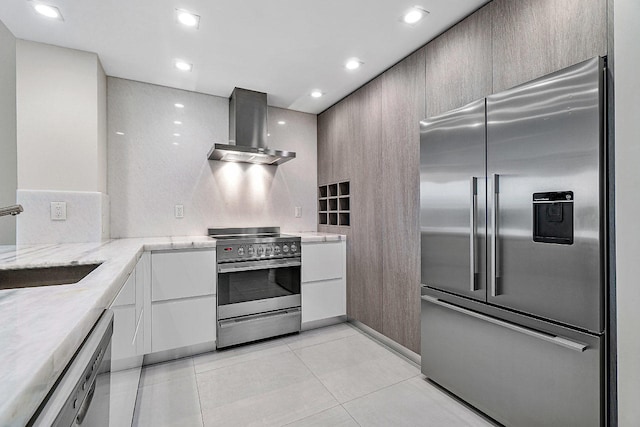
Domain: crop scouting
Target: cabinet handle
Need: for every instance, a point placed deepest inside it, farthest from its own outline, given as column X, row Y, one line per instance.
column 495, row 262
column 473, row 259
column 554, row 339
column 280, row 314
column 256, row 265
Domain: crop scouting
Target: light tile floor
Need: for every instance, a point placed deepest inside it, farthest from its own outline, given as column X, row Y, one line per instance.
column 333, row 376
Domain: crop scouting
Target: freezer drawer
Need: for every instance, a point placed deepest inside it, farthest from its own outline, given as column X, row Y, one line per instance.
column 517, row 375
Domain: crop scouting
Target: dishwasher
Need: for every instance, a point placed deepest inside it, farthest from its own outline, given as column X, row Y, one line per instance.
column 81, row 395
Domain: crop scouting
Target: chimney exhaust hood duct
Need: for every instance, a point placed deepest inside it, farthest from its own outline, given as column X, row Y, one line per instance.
column 248, row 132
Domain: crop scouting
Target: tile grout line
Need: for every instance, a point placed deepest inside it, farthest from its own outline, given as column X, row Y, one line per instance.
column 243, row 361
column 316, row 377
column 195, row 378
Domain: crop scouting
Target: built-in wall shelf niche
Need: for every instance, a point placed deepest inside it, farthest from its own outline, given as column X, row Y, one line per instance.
column 334, row 204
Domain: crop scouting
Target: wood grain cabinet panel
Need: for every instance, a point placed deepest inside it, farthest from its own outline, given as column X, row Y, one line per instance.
column 326, row 131
column 403, row 88
column 532, row 38
column 459, row 64
column 364, row 254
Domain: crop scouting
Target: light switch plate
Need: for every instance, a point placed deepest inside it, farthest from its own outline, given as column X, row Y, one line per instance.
column 179, row 211
column 58, row 211
column 298, row 211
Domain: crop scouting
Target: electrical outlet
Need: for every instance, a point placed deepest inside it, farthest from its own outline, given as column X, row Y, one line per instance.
column 179, row 211
column 58, row 211
column 298, row 211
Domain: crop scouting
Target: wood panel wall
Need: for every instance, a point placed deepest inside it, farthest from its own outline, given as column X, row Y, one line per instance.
column 372, row 137
column 403, row 89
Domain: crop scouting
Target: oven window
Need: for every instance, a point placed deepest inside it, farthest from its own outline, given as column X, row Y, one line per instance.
column 243, row 286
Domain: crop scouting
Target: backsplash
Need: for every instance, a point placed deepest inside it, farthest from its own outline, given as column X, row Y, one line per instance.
column 87, row 217
column 157, row 159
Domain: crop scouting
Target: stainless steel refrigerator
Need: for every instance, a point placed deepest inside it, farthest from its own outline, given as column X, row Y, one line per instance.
column 513, row 240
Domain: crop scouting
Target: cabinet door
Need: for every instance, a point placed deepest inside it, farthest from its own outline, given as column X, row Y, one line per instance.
column 532, row 38
column 324, row 300
column 127, row 294
column 124, row 330
column 183, row 322
column 322, row 261
column 182, row 274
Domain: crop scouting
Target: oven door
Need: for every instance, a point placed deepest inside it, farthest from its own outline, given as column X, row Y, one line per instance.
column 250, row 287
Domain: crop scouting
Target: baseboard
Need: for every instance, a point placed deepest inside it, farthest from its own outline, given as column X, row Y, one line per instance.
column 387, row 342
column 323, row 322
column 178, row 353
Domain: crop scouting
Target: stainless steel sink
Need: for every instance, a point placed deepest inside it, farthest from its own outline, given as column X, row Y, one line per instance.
column 45, row 276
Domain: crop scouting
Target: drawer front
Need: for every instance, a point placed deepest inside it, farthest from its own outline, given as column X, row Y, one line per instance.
column 515, row 375
column 182, row 323
column 182, row 274
column 322, row 261
column 323, row 300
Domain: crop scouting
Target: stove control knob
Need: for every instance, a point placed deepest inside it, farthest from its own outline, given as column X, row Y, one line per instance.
column 285, row 248
column 250, row 251
column 260, row 250
column 276, row 250
column 294, row 248
column 240, row 251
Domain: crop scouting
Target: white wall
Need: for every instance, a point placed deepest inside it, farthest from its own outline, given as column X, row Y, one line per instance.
column 150, row 170
column 627, row 159
column 62, row 144
column 58, row 109
column 8, row 159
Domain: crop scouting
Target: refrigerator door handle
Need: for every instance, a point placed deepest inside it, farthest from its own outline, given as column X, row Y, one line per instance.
column 554, row 339
column 473, row 258
column 495, row 262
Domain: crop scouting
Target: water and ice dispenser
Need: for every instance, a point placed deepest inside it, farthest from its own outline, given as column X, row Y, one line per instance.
column 553, row 217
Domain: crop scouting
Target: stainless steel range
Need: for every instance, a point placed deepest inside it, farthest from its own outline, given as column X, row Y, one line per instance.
column 258, row 284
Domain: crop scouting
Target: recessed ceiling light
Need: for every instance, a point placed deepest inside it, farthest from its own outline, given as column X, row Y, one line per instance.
column 176, row 143
column 282, row 122
column 179, row 105
column 119, row 133
column 177, row 122
column 183, row 66
column 353, row 64
column 176, row 134
column 48, row 10
column 187, row 19
column 414, row 15
column 316, row 94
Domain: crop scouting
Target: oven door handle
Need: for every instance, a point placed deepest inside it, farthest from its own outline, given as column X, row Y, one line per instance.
column 257, row 265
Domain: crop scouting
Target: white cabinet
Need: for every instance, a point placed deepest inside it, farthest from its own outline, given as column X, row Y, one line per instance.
column 324, row 290
column 128, row 330
column 182, row 299
column 182, row 274
column 322, row 261
column 183, row 322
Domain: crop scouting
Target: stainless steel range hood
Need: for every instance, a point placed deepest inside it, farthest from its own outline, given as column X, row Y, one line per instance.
column 248, row 132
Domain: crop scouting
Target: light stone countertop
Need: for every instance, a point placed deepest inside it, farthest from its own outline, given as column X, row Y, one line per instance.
column 316, row 236
column 42, row 327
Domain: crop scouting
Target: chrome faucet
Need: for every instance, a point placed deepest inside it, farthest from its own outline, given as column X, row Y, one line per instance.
column 12, row 210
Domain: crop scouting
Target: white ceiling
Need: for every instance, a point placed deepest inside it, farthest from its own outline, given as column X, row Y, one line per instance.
column 285, row 48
